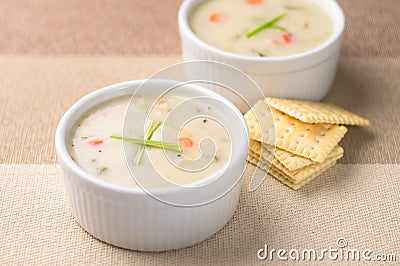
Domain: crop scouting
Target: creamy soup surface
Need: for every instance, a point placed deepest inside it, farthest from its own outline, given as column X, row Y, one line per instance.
column 94, row 151
column 228, row 25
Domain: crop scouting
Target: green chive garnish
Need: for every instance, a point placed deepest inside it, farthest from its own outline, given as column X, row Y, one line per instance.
column 147, row 135
column 152, row 143
column 267, row 24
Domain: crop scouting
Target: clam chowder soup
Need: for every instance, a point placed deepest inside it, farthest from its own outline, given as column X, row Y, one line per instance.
column 263, row 28
column 102, row 145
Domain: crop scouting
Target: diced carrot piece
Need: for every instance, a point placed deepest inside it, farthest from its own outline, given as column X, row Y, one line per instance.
column 96, row 142
column 254, row 2
column 286, row 38
column 215, row 17
column 185, row 142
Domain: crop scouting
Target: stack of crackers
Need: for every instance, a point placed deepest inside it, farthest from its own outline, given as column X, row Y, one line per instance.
column 295, row 141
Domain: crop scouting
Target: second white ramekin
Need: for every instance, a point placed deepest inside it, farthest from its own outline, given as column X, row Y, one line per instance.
column 307, row 75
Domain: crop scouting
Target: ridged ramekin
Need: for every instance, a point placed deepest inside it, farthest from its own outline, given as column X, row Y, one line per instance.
column 308, row 75
column 129, row 217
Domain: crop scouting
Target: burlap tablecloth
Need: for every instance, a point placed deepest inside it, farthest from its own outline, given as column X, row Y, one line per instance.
column 54, row 52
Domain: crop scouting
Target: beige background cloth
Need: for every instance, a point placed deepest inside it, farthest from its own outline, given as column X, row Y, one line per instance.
column 54, row 52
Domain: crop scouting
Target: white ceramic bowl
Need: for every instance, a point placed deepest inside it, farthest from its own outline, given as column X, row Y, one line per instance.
column 130, row 218
column 307, row 75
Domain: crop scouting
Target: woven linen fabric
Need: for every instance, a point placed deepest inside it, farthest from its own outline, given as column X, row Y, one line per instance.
column 54, row 52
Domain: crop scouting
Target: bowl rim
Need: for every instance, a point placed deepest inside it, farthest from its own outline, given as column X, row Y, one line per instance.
column 65, row 125
column 185, row 30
